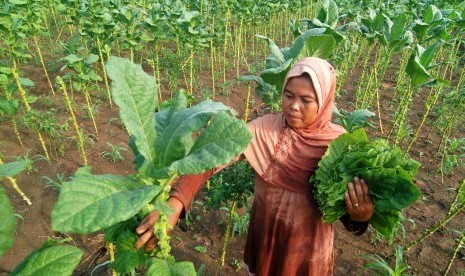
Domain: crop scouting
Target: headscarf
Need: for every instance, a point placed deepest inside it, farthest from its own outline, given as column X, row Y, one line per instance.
column 323, row 77
column 285, row 156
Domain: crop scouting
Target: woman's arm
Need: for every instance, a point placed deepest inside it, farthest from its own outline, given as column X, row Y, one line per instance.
column 359, row 205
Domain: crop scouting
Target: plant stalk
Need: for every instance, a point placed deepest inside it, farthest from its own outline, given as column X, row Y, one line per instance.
column 447, row 218
column 16, row 187
column 99, row 46
column 39, row 52
column 76, row 127
column 28, row 107
column 228, row 232
column 459, row 245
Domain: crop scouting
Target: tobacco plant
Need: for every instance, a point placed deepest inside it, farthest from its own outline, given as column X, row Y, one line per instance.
column 81, row 75
column 231, row 188
column 174, row 142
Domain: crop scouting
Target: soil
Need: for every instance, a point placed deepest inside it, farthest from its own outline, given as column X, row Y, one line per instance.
column 428, row 258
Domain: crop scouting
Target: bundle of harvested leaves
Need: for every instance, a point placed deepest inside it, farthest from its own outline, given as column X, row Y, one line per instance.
column 388, row 174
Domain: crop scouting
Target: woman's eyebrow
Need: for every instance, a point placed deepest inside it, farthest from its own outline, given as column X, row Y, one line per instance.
column 311, row 96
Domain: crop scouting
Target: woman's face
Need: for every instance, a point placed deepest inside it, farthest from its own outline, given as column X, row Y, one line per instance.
column 300, row 104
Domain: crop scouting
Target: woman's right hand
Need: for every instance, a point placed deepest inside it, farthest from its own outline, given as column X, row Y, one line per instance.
column 145, row 229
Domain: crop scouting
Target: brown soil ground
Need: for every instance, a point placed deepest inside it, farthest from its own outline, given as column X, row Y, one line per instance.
column 429, row 258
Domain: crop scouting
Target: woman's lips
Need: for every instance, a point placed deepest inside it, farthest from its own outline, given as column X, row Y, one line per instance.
column 293, row 118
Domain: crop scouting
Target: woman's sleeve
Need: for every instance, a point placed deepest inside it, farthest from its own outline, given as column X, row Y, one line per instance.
column 355, row 227
column 187, row 186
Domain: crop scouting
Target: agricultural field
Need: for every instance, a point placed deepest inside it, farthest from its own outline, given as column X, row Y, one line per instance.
column 83, row 159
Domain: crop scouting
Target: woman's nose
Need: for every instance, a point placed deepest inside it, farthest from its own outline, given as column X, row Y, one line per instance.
column 294, row 105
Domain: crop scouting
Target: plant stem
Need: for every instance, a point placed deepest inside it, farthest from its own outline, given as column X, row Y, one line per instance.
column 99, row 46
column 39, row 52
column 16, row 187
column 89, row 106
column 359, row 94
column 401, row 74
column 458, row 208
column 111, row 252
column 213, row 68
column 28, row 108
column 225, row 46
column 15, row 129
column 157, row 58
column 238, row 48
column 247, row 101
column 227, row 235
column 192, row 71
column 430, row 102
column 459, row 245
column 76, row 127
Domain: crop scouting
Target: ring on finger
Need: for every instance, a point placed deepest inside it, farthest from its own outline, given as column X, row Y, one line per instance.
column 355, row 204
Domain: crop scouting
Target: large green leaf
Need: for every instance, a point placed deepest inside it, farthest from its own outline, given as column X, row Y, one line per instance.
column 93, row 202
column 128, row 258
column 274, row 49
column 268, row 93
column 385, row 223
column 417, row 72
column 427, row 56
column 321, row 46
column 398, row 27
column 13, row 168
column 276, row 76
column 329, row 13
column 8, row 225
column 356, row 119
column 176, row 131
column 298, row 44
column 223, row 139
column 135, row 93
column 9, row 107
column 49, row 260
column 158, row 267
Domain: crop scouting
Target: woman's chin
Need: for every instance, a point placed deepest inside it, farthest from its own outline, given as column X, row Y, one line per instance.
column 294, row 123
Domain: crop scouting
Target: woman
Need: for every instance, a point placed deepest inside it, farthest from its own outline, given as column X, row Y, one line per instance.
column 286, row 235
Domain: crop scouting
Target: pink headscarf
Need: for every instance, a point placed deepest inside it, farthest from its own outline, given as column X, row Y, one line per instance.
column 285, row 156
column 323, row 77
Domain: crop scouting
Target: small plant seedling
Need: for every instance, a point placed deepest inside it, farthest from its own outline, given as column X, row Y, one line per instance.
column 114, row 154
column 201, row 249
column 381, row 267
column 236, row 264
column 56, row 184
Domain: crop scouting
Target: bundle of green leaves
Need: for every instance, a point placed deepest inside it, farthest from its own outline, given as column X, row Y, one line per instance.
column 388, row 174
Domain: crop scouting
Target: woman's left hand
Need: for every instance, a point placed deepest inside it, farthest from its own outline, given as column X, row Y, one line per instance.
column 360, row 207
